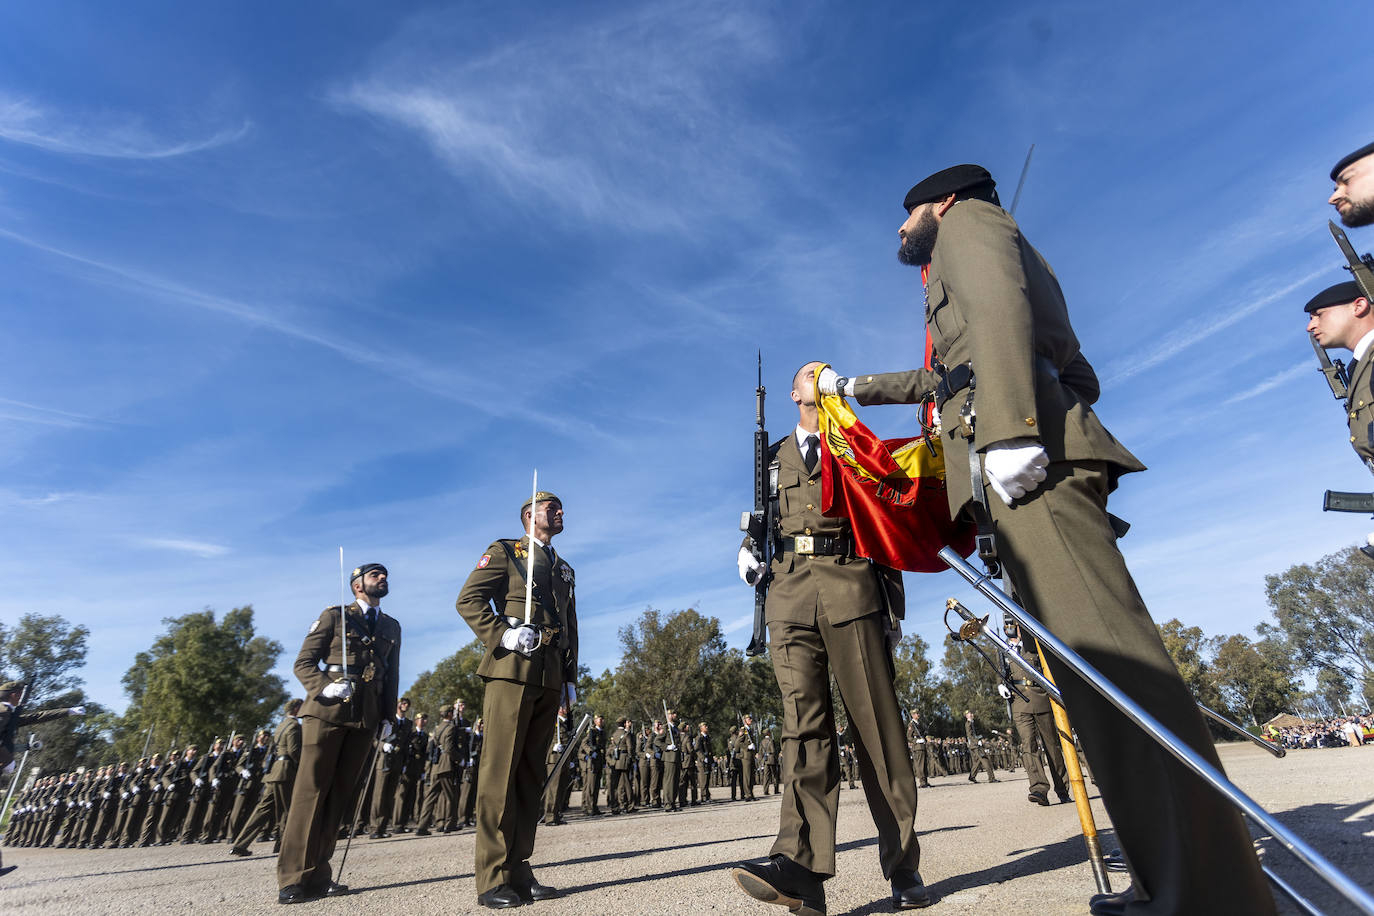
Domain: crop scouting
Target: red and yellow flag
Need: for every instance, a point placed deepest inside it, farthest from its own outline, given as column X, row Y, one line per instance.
column 891, row 490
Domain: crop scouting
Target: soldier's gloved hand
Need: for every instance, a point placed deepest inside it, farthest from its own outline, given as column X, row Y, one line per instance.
column 558, row 748
column 245, row 774
column 1015, row 467
column 522, row 639
column 826, row 381
column 387, row 731
column 1005, row 691
column 199, row 782
column 339, row 690
column 77, row 711
column 387, row 747
column 157, row 786
column 749, row 566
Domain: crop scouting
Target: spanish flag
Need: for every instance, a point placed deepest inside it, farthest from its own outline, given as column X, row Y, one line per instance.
column 891, row 490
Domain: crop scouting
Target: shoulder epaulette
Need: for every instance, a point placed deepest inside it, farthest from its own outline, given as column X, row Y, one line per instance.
column 773, row 449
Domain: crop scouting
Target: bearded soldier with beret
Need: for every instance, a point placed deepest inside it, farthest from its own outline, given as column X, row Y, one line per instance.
column 1353, row 196
column 1013, row 370
column 529, row 669
column 345, row 703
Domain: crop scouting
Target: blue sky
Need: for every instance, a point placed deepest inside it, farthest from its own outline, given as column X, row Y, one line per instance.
column 277, row 280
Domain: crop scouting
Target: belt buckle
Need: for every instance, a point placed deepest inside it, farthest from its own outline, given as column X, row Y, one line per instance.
column 805, row 544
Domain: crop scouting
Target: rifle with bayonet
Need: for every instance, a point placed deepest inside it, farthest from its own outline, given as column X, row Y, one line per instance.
column 761, row 524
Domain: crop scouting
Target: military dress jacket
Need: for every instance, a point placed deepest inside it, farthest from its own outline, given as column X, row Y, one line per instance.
column 622, row 749
column 1360, row 409
column 494, row 594
column 445, row 740
column 286, row 751
column 593, row 749
column 374, row 667
column 994, row 302
column 845, row 588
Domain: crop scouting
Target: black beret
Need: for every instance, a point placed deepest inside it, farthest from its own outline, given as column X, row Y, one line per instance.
column 1340, row 294
column 365, row 569
column 946, row 182
column 1358, row 154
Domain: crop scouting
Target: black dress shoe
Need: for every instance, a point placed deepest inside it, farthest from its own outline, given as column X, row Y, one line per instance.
column 1064, row 797
column 377, row 836
column 238, row 851
column 784, row 882
column 336, row 890
column 500, row 898
column 536, row 891
column 294, row 893
column 909, row 891
column 1039, row 798
column 1111, row 904
column 422, row 832
column 924, row 785
column 993, row 779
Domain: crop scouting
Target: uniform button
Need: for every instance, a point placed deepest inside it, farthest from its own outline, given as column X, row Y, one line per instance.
column 1352, row 438
column 1352, row 414
column 811, row 483
column 808, row 530
column 1361, row 404
column 870, row 378
column 809, row 506
column 1030, row 421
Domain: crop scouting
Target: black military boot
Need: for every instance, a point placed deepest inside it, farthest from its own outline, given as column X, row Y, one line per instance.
column 784, row 882
column 909, row 891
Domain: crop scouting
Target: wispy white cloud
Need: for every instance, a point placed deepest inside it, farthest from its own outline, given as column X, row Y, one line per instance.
column 180, row 545
column 633, row 119
column 107, row 135
column 1292, row 373
column 22, row 412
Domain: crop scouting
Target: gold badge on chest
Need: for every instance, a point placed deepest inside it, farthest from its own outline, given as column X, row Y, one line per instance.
column 370, row 671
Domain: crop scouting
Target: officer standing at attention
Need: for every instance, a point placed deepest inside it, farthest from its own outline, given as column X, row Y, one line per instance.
column 529, row 670
column 828, row 614
column 1340, row 316
column 1033, row 717
column 593, row 753
column 339, row 722
column 620, row 791
column 1353, row 197
column 916, row 740
column 996, row 314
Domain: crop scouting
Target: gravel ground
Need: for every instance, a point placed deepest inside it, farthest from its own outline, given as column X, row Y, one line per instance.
column 985, row 850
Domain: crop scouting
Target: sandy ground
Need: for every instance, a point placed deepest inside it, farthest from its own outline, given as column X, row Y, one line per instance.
column 985, row 850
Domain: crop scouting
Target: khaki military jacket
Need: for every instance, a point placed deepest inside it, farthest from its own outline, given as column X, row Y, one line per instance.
column 672, row 734
column 993, row 301
column 915, row 736
column 622, row 752
column 286, row 751
column 495, row 591
column 374, row 667
column 1360, row 409
column 593, row 748
column 704, row 751
column 446, row 740
column 845, row 588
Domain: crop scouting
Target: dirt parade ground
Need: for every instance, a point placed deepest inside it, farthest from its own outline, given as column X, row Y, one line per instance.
column 985, row 849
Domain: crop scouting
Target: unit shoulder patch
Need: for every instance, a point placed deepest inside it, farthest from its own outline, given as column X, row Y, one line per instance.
column 482, row 563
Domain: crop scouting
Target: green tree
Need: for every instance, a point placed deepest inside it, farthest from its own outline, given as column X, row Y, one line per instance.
column 1192, row 651
column 1254, row 678
column 1325, row 613
column 200, row 679
column 969, row 683
column 450, row 679
column 917, row 687
column 1334, row 689
column 46, row 652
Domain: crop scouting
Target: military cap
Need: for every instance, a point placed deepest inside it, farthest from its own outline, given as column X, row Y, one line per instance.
column 365, row 569
column 1339, row 294
column 542, row 496
column 11, row 687
column 946, row 182
column 1358, row 154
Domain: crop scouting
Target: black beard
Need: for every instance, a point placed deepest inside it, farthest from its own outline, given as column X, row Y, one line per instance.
column 1361, row 213
column 919, row 243
column 376, row 591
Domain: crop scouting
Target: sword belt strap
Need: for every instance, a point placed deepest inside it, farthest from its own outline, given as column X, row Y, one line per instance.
column 984, row 539
column 819, row 545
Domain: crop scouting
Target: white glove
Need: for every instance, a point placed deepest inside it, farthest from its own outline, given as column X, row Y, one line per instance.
column 387, row 731
column 558, row 748
column 522, row 639
column 1005, row 691
column 199, row 782
column 77, row 711
column 105, row 795
column 339, row 690
column 123, row 794
column 749, row 566
column 245, row 774
column 134, row 790
column 387, row 748
column 825, row 382
column 214, row 783
column 1015, row 467
column 751, row 747
column 672, row 747
column 157, row 786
